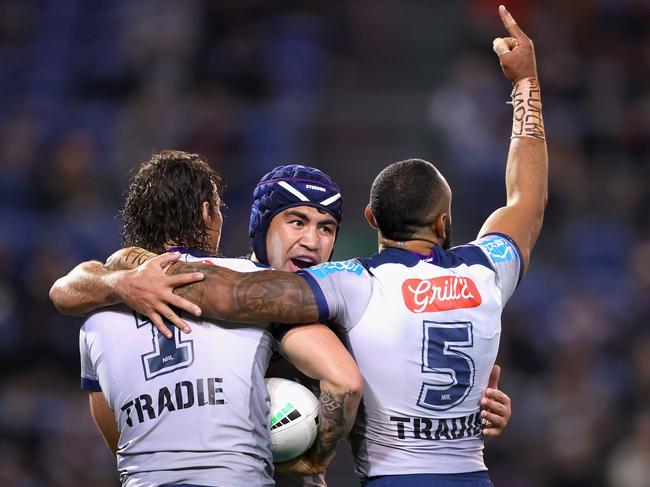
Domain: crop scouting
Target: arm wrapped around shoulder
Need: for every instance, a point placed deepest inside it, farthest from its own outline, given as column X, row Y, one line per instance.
column 259, row 297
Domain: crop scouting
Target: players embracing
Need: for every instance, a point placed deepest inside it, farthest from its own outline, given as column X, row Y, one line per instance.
column 422, row 321
column 433, row 313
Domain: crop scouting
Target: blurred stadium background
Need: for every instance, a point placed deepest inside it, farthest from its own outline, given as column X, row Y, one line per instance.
column 88, row 89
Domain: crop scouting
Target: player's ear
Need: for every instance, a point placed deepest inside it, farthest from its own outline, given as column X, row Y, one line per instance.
column 370, row 217
column 440, row 226
column 206, row 212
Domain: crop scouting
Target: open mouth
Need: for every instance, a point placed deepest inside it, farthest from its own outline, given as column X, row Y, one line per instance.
column 302, row 262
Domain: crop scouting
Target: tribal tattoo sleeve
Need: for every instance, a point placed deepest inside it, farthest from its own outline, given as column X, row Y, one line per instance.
column 250, row 297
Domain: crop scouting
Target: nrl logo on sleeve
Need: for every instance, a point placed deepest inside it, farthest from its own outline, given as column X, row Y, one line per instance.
column 499, row 249
column 440, row 294
column 321, row 271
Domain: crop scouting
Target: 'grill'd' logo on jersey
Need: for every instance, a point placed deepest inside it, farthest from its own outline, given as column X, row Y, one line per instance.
column 440, row 294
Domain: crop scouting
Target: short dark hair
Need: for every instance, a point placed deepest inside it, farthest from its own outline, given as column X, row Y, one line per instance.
column 407, row 196
column 165, row 199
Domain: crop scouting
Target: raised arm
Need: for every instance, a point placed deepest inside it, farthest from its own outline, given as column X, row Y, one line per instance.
column 140, row 282
column 317, row 352
column 527, row 166
column 249, row 297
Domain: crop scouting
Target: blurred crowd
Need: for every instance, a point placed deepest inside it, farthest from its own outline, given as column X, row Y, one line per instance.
column 90, row 88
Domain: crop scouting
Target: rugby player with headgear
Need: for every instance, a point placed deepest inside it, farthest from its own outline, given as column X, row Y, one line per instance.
column 295, row 217
column 422, row 320
column 294, row 222
column 193, row 410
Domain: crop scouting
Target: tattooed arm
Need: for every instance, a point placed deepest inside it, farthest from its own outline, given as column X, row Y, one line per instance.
column 527, row 167
column 249, row 297
column 129, row 258
column 317, row 352
column 132, row 276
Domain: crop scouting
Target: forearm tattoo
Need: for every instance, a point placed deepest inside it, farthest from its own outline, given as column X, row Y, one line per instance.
column 527, row 120
column 137, row 256
column 276, row 296
column 337, row 413
column 129, row 258
column 256, row 297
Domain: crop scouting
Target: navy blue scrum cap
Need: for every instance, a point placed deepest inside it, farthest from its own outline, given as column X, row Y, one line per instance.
column 285, row 187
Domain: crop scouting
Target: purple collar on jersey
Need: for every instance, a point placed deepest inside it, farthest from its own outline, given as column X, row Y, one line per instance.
column 463, row 254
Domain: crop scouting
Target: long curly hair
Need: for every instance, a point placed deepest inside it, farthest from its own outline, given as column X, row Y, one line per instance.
column 164, row 203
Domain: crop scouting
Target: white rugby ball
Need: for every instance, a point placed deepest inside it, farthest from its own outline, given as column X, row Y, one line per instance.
column 293, row 418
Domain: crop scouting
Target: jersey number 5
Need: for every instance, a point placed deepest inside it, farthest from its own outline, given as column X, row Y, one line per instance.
column 441, row 355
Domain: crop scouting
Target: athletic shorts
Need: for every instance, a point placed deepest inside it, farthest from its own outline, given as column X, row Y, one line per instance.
column 472, row 479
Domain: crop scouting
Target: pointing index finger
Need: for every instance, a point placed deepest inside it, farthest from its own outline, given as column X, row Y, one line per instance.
column 511, row 25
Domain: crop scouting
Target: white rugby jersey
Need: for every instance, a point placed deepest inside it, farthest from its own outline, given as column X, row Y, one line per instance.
column 192, row 409
column 424, row 331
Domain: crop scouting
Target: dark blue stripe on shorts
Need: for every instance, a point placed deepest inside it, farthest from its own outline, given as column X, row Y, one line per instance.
column 471, row 479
